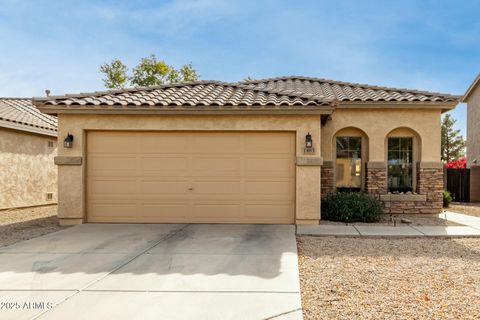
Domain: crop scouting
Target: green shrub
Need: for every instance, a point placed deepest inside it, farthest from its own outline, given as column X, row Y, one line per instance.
column 351, row 207
column 447, row 198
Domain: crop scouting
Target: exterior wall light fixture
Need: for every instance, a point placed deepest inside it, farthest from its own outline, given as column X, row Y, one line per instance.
column 68, row 142
column 309, row 144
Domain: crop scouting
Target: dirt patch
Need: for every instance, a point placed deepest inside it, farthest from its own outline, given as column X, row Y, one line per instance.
column 357, row 278
column 472, row 209
column 416, row 219
column 23, row 224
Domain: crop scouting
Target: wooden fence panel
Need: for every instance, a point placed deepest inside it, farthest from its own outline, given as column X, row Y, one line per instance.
column 458, row 184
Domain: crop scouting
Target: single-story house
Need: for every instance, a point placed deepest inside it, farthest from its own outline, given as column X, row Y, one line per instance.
column 260, row 151
column 28, row 145
column 472, row 99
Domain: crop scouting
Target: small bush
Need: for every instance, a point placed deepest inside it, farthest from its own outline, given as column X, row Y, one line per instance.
column 447, row 198
column 351, row 207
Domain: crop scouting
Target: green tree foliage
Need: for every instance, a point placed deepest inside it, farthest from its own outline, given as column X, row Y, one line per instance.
column 453, row 144
column 188, row 73
column 115, row 74
column 149, row 72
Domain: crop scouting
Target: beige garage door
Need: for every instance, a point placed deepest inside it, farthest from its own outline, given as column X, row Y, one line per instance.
column 191, row 177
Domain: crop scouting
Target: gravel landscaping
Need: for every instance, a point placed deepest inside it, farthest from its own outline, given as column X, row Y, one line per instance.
column 23, row 224
column 364, row 278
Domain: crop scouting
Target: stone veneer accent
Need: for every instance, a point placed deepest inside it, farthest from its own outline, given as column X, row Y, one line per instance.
column 430, row 184
column 429, row 188
column 376, row 178
column 327, row 179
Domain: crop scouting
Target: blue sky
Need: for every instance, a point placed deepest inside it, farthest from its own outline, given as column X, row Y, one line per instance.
column 421, row 44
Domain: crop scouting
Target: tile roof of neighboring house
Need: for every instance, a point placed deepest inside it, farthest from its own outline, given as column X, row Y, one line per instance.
column 187, row 96
column 472, row 87
column 346, row 91
column 21, row 114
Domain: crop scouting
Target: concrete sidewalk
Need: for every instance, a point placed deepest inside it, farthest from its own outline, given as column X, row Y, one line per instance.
column 471, row 228
column 460, row 218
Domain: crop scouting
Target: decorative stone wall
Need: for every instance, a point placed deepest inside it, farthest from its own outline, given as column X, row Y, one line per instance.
column 428, row 197
column 327, row 179
column 376, row 178
column 430, row 183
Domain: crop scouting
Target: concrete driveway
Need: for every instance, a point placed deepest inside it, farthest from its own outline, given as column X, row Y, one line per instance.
column 153, row 271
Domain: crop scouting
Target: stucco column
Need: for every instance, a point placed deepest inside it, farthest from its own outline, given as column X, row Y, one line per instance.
column 71, row 163
column 308, row 164
column 308, row 195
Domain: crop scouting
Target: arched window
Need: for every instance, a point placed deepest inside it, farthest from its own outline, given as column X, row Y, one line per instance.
column 403, row 151
column 351, row 145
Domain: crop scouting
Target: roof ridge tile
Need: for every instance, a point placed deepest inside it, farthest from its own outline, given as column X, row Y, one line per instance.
column 364, row 85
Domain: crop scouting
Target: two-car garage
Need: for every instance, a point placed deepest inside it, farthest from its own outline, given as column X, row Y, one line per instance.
column 190, row 177
column 193, row 152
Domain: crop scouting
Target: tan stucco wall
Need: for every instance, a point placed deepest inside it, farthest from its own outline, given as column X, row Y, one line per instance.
column 71, row 178
column 473, row 127
column 378, row 123
column 27, row 170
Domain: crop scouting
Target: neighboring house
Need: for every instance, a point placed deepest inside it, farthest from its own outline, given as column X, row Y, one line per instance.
column 472, row 98
column 261, row 151
column 28, row 144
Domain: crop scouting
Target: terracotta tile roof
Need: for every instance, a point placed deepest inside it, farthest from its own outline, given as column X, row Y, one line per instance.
column 290, row 94
column 190, row 95
column 346, row 91
column 21, row 113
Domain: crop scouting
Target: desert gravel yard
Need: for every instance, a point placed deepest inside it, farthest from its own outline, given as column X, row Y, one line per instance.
column 23, row 224
column 365, row 278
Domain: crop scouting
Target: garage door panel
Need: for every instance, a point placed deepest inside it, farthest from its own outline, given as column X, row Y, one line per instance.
column 164, row 142
column 205, row 188
column 106, row 187
column 191, row 177
column 121, row 210
column 277, row 212
column 208, row 143
column 270, row 143
column 165, row 210
column 214, row 166
column 163, row 187
column 112, row 142
column 217, row 210
column 269, row 166
column 268, row 188
column 115, row 165
column 165, row 166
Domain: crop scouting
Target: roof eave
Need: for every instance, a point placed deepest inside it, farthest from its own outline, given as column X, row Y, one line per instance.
column 443, row 105
column 188, row 110
column 27, row 128
column 472, row 88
